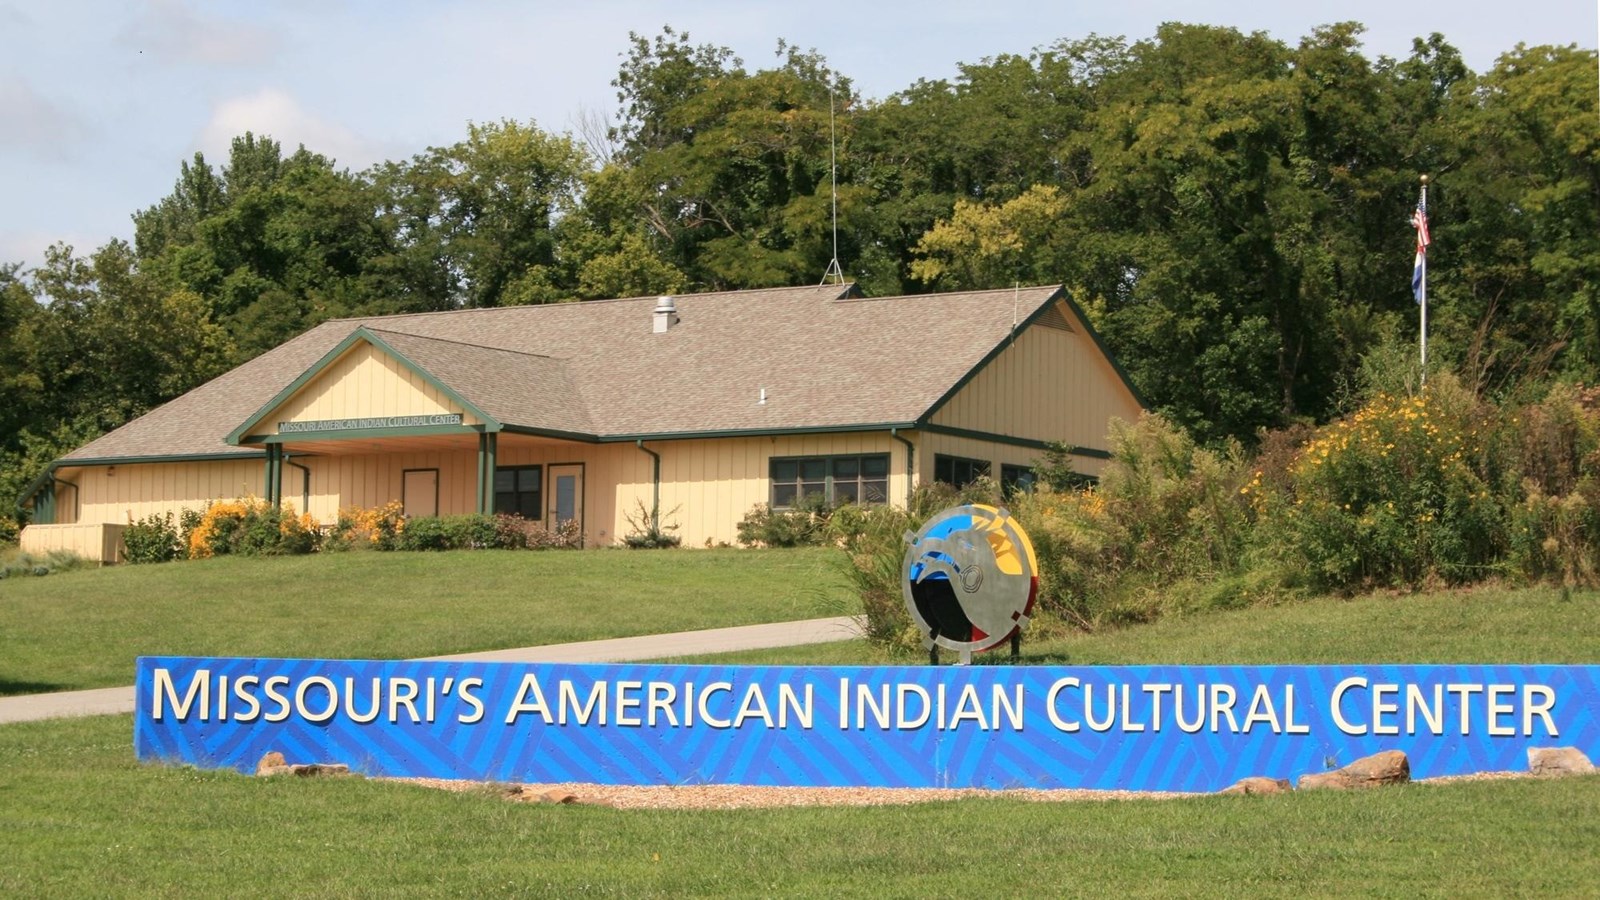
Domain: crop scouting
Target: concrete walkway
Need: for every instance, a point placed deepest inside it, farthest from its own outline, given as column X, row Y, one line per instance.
column 108, row 701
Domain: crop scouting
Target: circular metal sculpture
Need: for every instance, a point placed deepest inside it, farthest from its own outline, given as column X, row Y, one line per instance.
column 969, row 578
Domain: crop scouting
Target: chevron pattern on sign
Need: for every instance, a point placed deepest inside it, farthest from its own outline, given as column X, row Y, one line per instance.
column 1170, row 728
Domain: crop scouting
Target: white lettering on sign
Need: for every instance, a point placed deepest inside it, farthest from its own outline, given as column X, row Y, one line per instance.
column 1356, row 705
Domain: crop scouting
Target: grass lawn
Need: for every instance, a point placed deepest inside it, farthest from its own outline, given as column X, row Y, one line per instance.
column 80, row 817
column 1485, row 625
column 84, row 629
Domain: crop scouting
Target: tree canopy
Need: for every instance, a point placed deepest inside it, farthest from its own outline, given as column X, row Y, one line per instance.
column 1230, row 210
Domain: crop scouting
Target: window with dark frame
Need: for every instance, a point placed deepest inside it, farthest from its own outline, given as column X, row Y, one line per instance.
column 518, row 490
column 836, row 479
column 1017, row 479
column 958, row 470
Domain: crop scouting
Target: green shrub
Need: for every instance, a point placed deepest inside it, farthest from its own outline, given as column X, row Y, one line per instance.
column 806, row 525
column 426, row 533
column 480, row 532
column 153, row 539
column 9, row 531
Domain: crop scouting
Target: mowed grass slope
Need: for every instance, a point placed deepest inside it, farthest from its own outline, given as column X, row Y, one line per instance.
column 84, row 629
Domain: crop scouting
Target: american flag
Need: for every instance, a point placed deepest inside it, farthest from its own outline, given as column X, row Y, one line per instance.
column 1420, row 220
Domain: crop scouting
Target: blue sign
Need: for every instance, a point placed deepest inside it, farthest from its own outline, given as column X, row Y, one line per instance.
column 1172, row 728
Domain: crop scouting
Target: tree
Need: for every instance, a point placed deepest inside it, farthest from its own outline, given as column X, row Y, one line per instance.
column 729, row 169
column 478, row 218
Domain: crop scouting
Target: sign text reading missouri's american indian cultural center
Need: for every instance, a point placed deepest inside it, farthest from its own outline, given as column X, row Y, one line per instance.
column 372, row 422
column 1148, row 727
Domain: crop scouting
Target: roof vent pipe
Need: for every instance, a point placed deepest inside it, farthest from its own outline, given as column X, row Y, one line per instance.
column 666, row 314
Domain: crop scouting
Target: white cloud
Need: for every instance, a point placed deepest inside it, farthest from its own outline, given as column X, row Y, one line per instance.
column 273, row 112
column 169, row 31
column 36, row 125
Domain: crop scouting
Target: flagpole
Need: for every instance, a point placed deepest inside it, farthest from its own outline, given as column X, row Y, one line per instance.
column 1423, row 297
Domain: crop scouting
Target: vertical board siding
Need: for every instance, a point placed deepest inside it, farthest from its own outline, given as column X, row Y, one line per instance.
column 1049, row 385
column 373, row 479
column 362, row 383
column 100, row 542
column 120, row 494
column 707, row 485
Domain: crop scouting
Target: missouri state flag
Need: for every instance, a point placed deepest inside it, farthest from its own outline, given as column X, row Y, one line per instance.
column 1419, row 270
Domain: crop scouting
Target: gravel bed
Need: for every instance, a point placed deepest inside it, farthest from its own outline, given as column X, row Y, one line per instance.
column 730, row 796
column 724, row 796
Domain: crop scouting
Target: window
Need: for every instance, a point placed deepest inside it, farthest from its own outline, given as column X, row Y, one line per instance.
column 517, row 491
column 836, row 479
column 957, row 470
column 1017, row 479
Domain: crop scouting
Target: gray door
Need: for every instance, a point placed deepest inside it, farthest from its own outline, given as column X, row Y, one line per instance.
column 566, row 496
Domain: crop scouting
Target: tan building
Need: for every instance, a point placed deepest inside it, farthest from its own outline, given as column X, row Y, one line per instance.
column 701, row 405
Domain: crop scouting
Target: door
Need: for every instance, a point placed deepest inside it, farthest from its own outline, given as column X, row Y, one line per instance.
column 419, row 492
column 566, row 496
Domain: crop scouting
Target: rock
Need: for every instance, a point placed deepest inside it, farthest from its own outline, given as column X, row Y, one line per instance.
column 315, row 770
column 1377, row 770
column 1555, row 761
column 1258, row 785
column 266, row 771
column 273, row 760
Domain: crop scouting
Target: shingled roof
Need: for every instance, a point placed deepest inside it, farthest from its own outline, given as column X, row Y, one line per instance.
column 827, row 359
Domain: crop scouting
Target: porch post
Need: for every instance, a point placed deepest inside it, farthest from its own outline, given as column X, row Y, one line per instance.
column 275, row 475
column 488, row 444
column 493, row 447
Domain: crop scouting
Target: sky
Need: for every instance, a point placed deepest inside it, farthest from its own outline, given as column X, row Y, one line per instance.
column 101, row 101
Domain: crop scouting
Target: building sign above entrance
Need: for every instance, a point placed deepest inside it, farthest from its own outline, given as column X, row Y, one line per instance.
column 362, row 424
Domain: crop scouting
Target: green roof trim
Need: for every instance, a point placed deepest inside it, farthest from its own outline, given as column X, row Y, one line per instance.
column 360, row 433
column 241, row 434
column 1088, row 329
column 35, row 486
column 755, row 432
column 1030, row 443
column 69, row 463
column 552, row 433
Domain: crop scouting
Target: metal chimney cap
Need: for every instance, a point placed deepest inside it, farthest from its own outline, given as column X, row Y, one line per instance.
column 665, row 304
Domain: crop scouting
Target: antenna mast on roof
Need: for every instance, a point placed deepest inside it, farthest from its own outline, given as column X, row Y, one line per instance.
column 833, row 271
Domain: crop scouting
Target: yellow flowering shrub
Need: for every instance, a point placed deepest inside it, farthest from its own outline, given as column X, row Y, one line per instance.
column 252, row 527
column 363, row 528
column 1393, row 494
